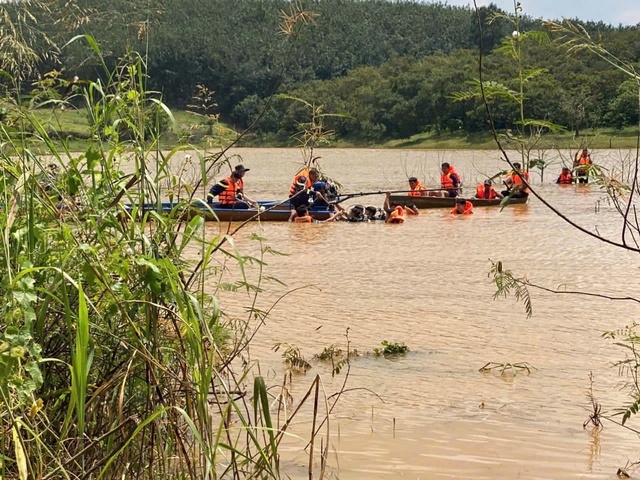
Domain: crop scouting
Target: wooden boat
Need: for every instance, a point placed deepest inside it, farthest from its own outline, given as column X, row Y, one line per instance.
column 269, row 211
column 448, row 202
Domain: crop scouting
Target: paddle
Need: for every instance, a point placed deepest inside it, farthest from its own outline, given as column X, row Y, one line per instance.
column 347, row 196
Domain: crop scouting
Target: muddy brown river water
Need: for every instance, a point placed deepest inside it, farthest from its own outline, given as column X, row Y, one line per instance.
column 425, row 283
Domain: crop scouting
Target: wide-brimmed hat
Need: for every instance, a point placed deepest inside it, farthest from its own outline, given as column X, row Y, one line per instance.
column 241, row 169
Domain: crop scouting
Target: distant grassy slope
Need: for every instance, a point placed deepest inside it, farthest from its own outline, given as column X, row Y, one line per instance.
column 194, row 129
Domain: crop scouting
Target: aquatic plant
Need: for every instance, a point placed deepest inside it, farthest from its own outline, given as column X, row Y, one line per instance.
column 391, row 348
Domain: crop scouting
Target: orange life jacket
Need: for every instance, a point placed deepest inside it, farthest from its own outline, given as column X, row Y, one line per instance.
column 417, row 191
column 297, row 182
column 584, row 160
column 445, row 179
column 305, row 219
column 468, row 209
column 396, row 215
column 565, row 179
column 516, row 178
column 481, row 192
column 231, row 191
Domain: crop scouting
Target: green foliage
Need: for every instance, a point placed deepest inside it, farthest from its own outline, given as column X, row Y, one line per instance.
column 506, row 284
column 116, row 358
column 391, row 349
column 292, row 356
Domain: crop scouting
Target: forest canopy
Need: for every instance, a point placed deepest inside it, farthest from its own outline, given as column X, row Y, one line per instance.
column 389, row 68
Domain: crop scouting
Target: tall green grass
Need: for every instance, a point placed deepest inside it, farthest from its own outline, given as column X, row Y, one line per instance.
column 115, row 357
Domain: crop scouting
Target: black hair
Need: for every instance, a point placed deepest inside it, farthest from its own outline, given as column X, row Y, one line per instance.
column 461, row 201
column 413, row 179
column 302, row 210
column 445, row 165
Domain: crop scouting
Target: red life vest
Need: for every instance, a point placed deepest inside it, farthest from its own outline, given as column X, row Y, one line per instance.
column 482, row 192
column 468, row 209
column 231, row 191
column 565, row 179
column 445, row 179
column 305, row 219
column 297, row 182
column 417, row 191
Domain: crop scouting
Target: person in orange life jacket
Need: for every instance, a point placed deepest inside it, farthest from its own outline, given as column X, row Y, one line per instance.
column 487, row 191
column 301, row 215
column 462, row 207
column 230, row 191
column 449, row 181
column 395, row 211
column 581, row 164
column 565, row 177
column 417, row 189
column 515, row 186
column 302, row 191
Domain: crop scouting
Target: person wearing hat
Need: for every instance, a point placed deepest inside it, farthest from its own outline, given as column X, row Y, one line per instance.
column 230, row 191
column 487, row 191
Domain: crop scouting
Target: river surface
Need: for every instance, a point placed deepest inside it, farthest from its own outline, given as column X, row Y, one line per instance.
column 430, row 414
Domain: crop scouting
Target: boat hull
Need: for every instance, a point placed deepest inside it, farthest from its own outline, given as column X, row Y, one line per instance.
column 448, row 202
column 268, row 212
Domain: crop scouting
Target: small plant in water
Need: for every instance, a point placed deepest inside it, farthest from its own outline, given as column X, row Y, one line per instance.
column 389, row 348
column 504, row 367
column 292, row 356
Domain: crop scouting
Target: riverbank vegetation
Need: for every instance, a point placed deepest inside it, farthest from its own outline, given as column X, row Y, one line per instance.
column 116, row 357
column 390, row 69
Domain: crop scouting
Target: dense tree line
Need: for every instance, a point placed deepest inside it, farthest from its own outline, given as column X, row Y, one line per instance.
column 389, row 66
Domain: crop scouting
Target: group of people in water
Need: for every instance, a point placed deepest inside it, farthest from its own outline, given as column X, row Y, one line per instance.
column 309, row 191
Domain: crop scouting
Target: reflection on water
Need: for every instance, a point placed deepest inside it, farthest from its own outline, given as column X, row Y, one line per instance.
column 425, row 283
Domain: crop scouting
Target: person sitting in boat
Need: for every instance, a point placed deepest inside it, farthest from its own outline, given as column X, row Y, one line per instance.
column 450, row 183
column 302, row 190
column 230, row 191
column 487, row 191
column 565, row 177
column 581, row 164
column 416, row 188
column 463, row 207
column 515, row 184
column 374, row 213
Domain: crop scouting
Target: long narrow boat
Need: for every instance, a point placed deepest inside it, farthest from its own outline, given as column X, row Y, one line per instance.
column 448, row 202
column 270, row 211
